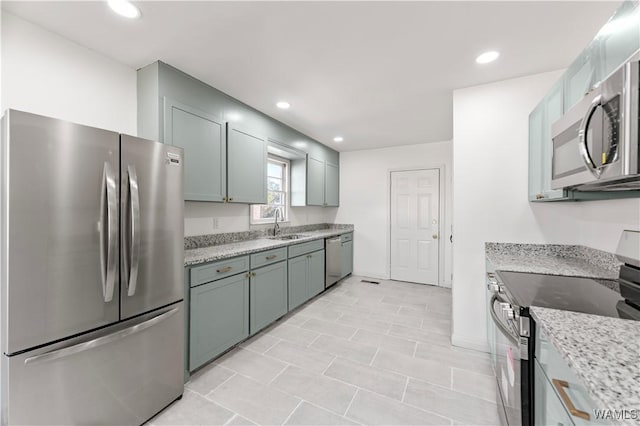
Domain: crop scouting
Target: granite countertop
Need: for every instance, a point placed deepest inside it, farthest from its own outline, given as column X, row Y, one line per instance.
column 553, row 259
column 603, row 352
column 232, row 249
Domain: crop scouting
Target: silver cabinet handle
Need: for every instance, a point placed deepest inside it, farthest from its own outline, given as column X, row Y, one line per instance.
column 84, row 346
column 223, row 270
column 131, row 232
column 273, row 256
column 108, row 232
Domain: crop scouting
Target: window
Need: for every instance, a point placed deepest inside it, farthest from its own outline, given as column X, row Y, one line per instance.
column 277, row 193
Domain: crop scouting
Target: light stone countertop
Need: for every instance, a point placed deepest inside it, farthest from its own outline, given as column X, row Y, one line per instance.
column 553, row 259
column 603, row 352
column 233, row 249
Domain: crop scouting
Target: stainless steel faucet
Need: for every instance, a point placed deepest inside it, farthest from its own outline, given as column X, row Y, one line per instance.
column 276, row 227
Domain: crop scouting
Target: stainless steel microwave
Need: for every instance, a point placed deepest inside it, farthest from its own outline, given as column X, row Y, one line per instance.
column 595, row 143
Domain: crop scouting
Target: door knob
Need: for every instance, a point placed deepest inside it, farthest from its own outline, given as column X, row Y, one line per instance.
column 435, row 236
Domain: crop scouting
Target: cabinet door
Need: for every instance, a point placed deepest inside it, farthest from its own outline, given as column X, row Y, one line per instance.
column 553, row 110
column 347, row 258
column 202, row 136
column 580, row 77
column 268, row 295
column 619, row 38
column 246, row 167
column 316, row 273
column 298, row 281
column 219, row 318
column 315, row 182
column 548, row 407
column 331, row 185
column 535, row 153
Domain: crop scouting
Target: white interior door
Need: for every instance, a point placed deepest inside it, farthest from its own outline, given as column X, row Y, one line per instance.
column 415, row 221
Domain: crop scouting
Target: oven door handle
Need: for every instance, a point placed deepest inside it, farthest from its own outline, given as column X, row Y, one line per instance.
column 514, row 339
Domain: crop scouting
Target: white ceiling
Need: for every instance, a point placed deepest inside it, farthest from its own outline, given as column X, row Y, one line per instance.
column 377, row 73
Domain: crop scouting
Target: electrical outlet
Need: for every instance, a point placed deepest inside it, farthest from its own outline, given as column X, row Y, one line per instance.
column 216, row 224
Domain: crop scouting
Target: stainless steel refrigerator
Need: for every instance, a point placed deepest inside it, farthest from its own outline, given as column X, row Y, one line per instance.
column 92, row 265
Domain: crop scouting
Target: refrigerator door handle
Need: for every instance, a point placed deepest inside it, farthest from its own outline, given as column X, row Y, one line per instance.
column 132, row 239
column 108, row 232
column 94, row 343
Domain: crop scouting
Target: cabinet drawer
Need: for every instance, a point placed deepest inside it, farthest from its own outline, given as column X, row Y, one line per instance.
column 215, row 271
column 346, row 237
column 564, row 381
column 268, row 257
column 304, row 248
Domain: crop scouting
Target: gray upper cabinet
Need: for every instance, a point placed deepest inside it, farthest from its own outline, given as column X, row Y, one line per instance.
column 202, row 136
column 195, row 116
column 331, row 185
column 315, row 182
column 246, row 167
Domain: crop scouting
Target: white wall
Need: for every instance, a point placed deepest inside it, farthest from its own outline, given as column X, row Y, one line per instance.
column 490, row 177
column 198, row 217
column 365, row 201
column 47, row 74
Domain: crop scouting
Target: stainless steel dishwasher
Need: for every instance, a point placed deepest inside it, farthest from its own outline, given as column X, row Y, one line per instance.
column 333, row 252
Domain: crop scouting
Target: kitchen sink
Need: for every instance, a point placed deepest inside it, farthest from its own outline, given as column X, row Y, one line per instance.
column 289, row 237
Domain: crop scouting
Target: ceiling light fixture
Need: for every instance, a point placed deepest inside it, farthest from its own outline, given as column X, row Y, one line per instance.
column 487, row 57
column 283, row 105
column 338, row 139
column 124, row 8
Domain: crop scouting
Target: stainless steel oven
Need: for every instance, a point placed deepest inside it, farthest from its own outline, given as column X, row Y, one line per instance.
column 509, row 335
column 595, row 143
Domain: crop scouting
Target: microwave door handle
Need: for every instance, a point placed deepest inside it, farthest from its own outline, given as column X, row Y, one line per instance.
column 584, row 151
column 509, row 334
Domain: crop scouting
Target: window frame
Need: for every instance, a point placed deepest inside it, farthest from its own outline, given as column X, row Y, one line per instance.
column 286, row 193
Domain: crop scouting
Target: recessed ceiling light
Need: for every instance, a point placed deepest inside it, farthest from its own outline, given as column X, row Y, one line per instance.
column 283, row 105
column 124, row 8
column 487, row 57
column 338, row 139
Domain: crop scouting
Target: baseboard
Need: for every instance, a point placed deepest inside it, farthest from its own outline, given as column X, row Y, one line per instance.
column 469, row 343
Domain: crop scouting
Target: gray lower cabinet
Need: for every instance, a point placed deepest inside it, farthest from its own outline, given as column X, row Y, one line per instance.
column 246, row 167
column 548, row 407
column 306, row 277
column 268, row 295
column 219, row 318
column 202, row 136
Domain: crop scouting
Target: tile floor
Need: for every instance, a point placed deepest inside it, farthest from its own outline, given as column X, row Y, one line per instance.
column 358, row 354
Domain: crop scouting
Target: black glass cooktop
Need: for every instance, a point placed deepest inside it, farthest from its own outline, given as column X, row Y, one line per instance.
column 597, row 297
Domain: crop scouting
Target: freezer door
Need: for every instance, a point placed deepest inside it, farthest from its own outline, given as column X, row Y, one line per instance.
column 121, row 375
column 60, row 246
column 152, row 224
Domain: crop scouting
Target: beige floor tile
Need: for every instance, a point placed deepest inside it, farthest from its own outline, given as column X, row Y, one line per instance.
column 345, row 348
column 384, row 341
column 192, row 409
column 254, row 401
column 294, row 334
column 311, row 415
column 363, row 322
column 260, row 343
column 408, row 321
column 405, row 302
column 454, row 405
column 307, row 359
column 372, row 409
column 419, row 335
column 477, row 362
column 321, row 390
column 478, row 385
column 330, row 328
column 251, row 364
column 208, row 378
column 431, row 371
column 238, row 420
column 296, row 319
column 371, row 378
